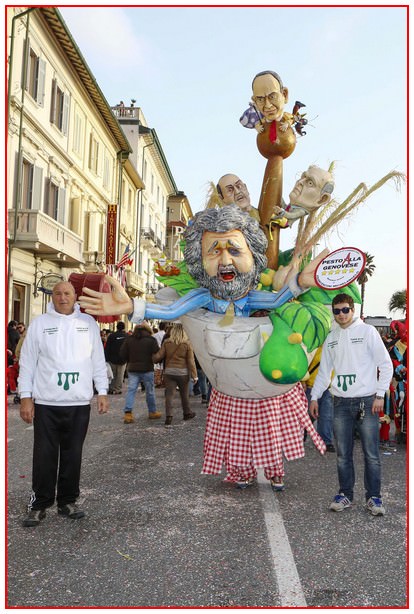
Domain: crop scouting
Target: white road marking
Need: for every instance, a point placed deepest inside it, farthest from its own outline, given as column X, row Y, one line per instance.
column 289, row 585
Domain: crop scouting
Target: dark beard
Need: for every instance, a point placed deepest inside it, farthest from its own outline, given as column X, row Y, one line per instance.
column 230, row 290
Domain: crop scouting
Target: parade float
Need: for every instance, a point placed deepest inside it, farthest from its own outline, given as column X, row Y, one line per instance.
column 265, row 351
column 266, row 355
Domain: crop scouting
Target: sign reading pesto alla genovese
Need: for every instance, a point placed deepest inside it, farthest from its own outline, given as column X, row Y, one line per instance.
column 340, row 268
column 48, row 281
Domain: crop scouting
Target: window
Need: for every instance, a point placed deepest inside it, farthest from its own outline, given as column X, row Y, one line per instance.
column 145, row 170
column 152, row 184
column 158, row 194
column 93, row 154
column 54, row 201
column 59, row 108
column 31, row 185
column 34, row 80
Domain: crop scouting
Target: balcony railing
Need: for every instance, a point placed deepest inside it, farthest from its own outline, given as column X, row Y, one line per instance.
column 122, row 112
column 42, row 235
column 148, row 236
column 135, row 281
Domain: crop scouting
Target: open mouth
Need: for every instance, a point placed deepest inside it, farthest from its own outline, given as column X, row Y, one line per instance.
column 226, row 274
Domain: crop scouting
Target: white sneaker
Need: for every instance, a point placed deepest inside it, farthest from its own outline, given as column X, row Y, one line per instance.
column 375, row 507
column 339, row 503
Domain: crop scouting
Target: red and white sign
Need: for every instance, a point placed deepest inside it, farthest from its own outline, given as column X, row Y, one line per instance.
column 110, row 253
column 340, row 268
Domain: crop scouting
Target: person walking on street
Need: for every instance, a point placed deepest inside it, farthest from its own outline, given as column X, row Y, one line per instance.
column 112, row 355
column 159, row 367
column 137, row 351
column 362, row 371
column 60, row 360
column 179, row 367
column 201, row 386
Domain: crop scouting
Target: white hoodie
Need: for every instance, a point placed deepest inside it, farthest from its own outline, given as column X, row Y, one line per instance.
column 61, row 357
column 354, row 353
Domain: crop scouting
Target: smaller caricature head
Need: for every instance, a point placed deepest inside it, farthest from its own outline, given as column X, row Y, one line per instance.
column 231, row 189
column 313, row 189
column 63, row 297
column 269, row 95
column 225, row 251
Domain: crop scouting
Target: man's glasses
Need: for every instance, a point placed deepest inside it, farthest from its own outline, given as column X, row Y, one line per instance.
column 337, row 311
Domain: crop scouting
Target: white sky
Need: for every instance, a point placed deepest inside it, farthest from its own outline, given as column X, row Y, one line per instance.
column 190, row 70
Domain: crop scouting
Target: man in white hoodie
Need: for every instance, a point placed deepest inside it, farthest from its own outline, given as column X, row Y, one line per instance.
column 362, row 371
column 61, row 358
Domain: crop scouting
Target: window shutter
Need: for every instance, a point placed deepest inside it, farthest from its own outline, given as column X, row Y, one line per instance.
column 90, row 151
column 37, row 187
column 53, row 102
column 40, row 98
column 46, row 197
column 25, row 77
column 16, row 176
column 65, row 114
column 61, row 206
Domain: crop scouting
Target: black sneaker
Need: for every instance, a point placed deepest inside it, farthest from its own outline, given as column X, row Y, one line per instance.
column 71, row 510
column 189, row 416
column 33, row 518
column 330, row 447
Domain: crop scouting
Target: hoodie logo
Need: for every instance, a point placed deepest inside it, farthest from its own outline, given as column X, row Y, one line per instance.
column 66, row 376
column 349, row 377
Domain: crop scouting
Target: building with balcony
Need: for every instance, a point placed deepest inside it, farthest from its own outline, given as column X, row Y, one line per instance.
column 68, row 162
column 158, row 199
column 178, row 214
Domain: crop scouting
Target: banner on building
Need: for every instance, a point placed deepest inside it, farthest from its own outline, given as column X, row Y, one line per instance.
column 111, row 235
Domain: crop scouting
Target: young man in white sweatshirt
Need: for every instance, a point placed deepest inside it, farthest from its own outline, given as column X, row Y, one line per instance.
column 61, row 358
column 362, row 371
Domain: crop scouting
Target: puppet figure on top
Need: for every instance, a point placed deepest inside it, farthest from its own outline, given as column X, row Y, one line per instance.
column 268, row 107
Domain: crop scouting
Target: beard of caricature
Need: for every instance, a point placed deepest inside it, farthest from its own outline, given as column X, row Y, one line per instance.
column 236, row 287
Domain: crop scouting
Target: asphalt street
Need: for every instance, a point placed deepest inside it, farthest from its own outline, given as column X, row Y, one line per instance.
column 160, row 534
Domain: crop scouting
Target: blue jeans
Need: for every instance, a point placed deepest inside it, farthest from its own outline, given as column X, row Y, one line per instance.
column 201, row 386
column 134, row 380
column 325, row 418
column 345, row 421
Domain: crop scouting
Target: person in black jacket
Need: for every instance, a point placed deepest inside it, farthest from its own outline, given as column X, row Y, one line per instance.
column 113, row 356
column 137, row 351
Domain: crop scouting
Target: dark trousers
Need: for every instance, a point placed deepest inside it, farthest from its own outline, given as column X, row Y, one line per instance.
column 171, row 382
column 59, row 433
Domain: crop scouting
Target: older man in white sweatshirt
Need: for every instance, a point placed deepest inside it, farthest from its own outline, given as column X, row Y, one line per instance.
column 61, row 358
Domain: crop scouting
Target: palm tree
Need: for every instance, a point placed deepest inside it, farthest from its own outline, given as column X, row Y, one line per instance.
column 367, row 271
column 398, row 301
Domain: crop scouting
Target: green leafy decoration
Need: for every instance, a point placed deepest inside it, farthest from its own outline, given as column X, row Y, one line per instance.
column 311, row 320
column 182, row 282
column 318, row 295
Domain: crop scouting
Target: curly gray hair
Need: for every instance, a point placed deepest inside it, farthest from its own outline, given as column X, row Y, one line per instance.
column 230, row 217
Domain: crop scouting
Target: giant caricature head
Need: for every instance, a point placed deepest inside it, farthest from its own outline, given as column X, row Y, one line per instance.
column 231, row 189
column 225, row 251
column 269, row 95
column 313, row 189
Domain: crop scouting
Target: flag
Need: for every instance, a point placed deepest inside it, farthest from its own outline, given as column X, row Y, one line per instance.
column 125, row 258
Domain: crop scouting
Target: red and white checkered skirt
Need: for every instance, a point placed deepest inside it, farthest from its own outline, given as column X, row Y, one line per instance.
column 248, row 433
